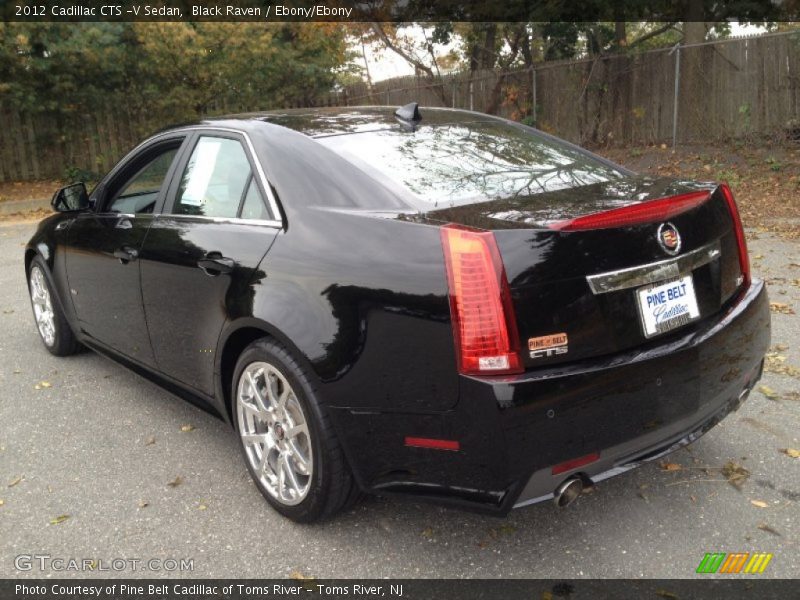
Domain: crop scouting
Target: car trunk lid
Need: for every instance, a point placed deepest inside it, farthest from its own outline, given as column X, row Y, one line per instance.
column 585, row 292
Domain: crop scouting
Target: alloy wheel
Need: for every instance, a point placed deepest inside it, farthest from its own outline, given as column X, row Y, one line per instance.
column 42, row 306
column 274, row 431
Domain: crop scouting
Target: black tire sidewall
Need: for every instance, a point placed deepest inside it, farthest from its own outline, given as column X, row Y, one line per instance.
column 313, row 505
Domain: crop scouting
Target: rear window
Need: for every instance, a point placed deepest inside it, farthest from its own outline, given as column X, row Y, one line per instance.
column 467, row 163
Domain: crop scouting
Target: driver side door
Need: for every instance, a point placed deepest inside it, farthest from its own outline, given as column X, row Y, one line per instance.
column 103, row 249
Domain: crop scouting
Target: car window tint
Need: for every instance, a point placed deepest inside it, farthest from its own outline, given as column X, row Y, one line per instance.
column 466, row 163
column 214, row 180
column 254, row 206
column 139, row 193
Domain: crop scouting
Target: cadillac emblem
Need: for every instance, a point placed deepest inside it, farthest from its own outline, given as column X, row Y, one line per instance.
column 668, row 238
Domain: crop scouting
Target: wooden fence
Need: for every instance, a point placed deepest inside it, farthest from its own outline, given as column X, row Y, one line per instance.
column 748, row 87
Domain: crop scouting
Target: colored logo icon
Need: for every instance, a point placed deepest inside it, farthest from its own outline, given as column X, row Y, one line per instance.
column 736, row 562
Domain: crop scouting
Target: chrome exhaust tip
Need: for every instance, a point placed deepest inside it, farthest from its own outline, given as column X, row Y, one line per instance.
column 743, row 396
column 568, row 492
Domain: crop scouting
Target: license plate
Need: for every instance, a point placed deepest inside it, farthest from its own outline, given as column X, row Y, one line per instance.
column 668, row 305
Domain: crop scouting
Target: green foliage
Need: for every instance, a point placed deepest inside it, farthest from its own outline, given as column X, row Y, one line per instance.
column 166, row 72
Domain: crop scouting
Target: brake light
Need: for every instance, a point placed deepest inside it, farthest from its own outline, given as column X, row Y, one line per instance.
column 484, row 328
column 635, row 214
column 741, row 242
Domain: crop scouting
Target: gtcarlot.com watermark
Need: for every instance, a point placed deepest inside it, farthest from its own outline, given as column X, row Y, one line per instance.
column 46, row 562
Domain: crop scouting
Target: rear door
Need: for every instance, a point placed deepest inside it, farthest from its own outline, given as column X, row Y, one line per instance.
column 103, row 248
column 202, row 252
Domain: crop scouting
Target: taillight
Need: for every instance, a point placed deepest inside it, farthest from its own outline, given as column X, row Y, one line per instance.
column 744, row 259
column 635, row 214
column 480, row 303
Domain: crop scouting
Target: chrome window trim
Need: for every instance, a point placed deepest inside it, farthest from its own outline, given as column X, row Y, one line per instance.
column 273, row 203
column 230, row 220
column 622, row 279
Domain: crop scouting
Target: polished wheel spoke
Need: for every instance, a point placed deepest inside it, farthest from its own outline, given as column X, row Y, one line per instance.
column 42, row 306
column 274, row 433
column 262, row 439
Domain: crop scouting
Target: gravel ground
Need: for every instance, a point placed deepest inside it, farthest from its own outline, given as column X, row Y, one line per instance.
column 84, row 438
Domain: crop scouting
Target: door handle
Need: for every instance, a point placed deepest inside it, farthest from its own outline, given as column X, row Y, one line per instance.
column 214, row 264
column 126, row 254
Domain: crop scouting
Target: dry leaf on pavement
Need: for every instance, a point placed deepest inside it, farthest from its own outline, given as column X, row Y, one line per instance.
column 59, row 519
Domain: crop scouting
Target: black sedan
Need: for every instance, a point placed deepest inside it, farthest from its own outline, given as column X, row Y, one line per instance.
column 435, row 304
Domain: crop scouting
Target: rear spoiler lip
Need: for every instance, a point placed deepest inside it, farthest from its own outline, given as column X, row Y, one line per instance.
column 649, row 211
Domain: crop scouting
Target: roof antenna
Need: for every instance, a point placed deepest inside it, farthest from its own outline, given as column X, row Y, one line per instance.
column 409, row 112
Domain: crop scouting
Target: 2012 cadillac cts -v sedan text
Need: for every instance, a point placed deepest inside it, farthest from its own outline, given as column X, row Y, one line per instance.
column 431, row 303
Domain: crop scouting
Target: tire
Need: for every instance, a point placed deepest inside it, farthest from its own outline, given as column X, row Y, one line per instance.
column 286, row 436
column 54, row 330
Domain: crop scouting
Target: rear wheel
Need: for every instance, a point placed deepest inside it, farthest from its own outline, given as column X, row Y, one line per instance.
column 288, row 442
column 54, row 330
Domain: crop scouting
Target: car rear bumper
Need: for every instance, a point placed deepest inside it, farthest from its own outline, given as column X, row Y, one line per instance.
column 511, row 431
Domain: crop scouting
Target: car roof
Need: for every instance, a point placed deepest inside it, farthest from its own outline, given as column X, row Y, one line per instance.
column 328, row 121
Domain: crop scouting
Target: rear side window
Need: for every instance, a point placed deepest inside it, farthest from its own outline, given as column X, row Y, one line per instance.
column 218, row 181
column 467, row 163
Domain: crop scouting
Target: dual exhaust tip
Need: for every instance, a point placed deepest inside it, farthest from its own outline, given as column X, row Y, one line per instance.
column 571, row 488
column 568, row 491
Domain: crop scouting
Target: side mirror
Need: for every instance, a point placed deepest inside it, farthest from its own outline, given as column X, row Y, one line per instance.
column 71, row 197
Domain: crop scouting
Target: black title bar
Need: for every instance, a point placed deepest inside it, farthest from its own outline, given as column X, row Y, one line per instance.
column 398, row 10
column 399, row 589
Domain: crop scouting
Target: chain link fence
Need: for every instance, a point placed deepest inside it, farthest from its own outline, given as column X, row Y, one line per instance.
column 734, row 88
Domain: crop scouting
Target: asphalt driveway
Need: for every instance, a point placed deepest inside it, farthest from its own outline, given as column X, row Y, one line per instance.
column 96, row 463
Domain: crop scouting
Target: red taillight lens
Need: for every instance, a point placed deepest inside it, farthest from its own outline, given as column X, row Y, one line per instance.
column 646, row 212
column 480, row 303
column 744, row 259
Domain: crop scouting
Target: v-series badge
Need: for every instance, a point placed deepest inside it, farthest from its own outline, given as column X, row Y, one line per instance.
column 548, row 345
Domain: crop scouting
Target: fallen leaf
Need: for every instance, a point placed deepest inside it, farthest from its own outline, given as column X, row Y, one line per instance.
column 143, row 504
column 176, row 482
column 17, row 371
column 8, row 311
column 187, row 427
column 427, row 532
column 735, row 474
column 666, row 594
column 2, row 502
column 781, row 307
column 693, row 499
column 506, row 529
column 150, row 440
column 16, row 480
column 768, row 392
column 768, row 529
column 668, row 466
column 298, row 575
column 59, row 519
column 791, row 452
column 201, row 506
column 759, row 503
column 43, row 385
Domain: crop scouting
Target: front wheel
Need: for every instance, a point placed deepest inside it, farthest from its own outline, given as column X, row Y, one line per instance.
column 54, row 330
column 288, row 442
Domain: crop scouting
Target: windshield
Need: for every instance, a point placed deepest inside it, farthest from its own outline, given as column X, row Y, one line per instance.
column 466, row 163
